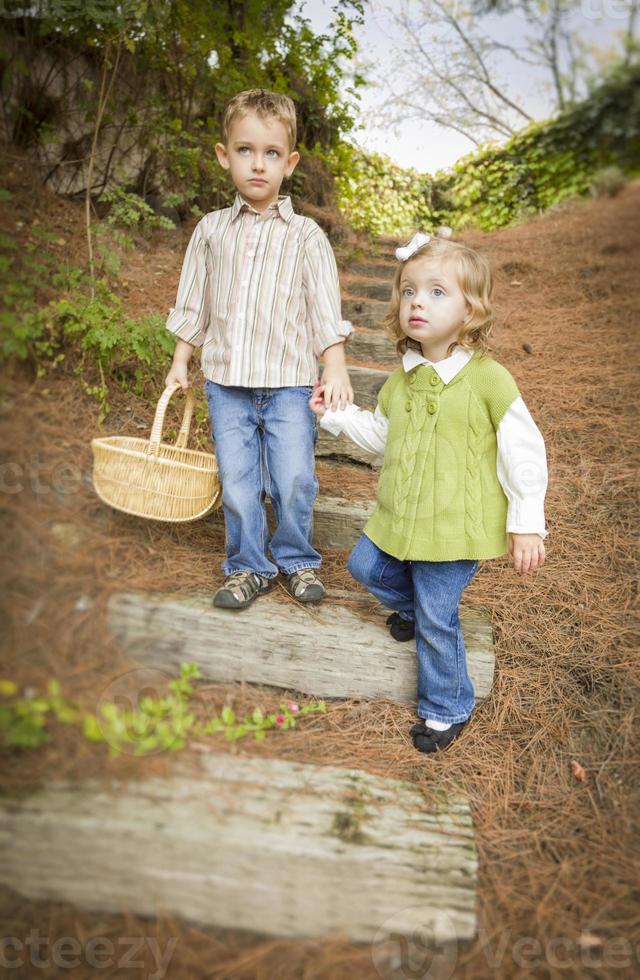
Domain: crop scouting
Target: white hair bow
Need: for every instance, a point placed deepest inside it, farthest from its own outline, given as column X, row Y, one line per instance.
column 420, row 238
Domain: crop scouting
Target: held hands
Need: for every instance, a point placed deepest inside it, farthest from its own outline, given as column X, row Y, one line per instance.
column 527, row 552
column 316, row 402
column 335, row 387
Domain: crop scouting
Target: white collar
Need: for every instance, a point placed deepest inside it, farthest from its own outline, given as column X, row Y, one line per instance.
column 445, row 369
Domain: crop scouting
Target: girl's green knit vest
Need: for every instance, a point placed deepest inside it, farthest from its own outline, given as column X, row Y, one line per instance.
column 439, row 498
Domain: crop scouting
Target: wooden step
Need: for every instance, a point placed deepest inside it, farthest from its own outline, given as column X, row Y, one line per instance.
column 326, row 651
column 337, row 523
column 368, row 313
column 280, row 848
column 371, row 288
column 371, row 345
column 366, row 383
column 374, row 270
column 342, row 448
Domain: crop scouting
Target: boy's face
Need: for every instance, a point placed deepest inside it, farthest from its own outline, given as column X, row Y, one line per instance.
column 258, row 157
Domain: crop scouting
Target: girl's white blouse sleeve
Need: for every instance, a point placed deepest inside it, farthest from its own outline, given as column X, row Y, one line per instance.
column 521, row 457
column 522, row 470
column 367, row 429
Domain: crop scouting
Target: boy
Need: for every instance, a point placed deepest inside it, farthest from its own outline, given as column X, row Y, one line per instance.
column 259, row 293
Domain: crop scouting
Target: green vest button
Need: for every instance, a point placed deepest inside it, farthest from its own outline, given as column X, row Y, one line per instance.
column 434, row 380
column 407, row 406
column 432, row 408
column 412, row 378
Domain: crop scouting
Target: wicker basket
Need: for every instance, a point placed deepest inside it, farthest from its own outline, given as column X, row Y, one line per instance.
column 147, row 478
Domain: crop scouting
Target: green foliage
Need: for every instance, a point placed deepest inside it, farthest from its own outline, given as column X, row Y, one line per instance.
column 23, row 720
column 378, row 196
column 541, row 166
column 132, row 211
column 84, row 324
column 155, row 725
column 182, row 60
column 548, row 162
column 607, row 182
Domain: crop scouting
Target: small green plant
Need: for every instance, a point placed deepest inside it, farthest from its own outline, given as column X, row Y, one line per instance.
column 84, row 321
column 23, row 720
column 132, row 211
column 155, row 725
column 607, row 182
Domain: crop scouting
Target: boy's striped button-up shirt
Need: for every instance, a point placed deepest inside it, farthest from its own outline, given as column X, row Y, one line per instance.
column 259, row 292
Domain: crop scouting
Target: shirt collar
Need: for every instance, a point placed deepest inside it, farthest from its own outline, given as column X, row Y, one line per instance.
column 445, row 369
column 282, row 206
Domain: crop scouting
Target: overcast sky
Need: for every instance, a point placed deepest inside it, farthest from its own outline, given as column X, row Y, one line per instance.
column 428, row 147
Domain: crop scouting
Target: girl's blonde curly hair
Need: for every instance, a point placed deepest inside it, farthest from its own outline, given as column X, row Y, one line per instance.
column 473, row 273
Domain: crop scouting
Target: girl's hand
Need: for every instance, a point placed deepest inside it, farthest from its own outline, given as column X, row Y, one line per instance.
column 316, row 402
column 180, row 373
column 527, row 552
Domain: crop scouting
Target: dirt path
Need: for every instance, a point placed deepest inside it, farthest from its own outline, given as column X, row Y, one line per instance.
column 558, row 856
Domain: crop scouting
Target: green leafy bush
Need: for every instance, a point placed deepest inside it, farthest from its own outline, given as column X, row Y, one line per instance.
column 607, row 182
column 84, row 325
column 592, row 146
column 156, row 724
column 132, row 211
column 377, row 195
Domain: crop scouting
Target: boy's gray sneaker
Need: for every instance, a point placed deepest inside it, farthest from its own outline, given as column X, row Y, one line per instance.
column 305, row 586
column 239, row 589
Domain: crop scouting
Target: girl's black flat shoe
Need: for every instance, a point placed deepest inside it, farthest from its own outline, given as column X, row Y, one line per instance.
column 425, row 739
column 401, row 629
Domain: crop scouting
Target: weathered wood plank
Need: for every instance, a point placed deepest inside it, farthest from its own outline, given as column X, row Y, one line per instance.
column 341, row 447
column 379, row 289
column 337, row 523
column 325, row 652
column 373, row 270
column 371, row 345
column 366, row 383
column 364, row 313
column 281, row 848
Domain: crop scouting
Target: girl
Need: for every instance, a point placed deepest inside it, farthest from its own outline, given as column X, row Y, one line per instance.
column 464, row 471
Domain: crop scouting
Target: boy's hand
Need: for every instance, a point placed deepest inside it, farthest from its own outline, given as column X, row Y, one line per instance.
column 336, row 385
column 527, row 552
column 179, row 373
column 316, row 402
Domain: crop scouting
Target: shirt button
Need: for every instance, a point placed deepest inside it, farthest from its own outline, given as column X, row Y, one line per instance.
column 434, row 380
column 407, row 406
column 432, row 408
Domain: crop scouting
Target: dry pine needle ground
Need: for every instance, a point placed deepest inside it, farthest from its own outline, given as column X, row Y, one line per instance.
column 558, row 854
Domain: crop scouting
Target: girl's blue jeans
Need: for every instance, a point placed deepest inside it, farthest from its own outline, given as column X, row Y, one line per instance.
column 264, row 441
column 429, row 593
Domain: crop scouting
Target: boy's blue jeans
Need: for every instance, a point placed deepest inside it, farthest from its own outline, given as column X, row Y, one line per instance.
column 264, row 440
column 429, row 593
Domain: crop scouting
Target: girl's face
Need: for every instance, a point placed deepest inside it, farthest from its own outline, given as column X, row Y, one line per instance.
column 433, row 309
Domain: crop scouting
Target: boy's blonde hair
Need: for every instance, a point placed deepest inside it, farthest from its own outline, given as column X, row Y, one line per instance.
column 263, row 103
column 476, row 283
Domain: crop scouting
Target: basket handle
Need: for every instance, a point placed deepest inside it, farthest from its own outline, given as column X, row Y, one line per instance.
column 158, row 421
